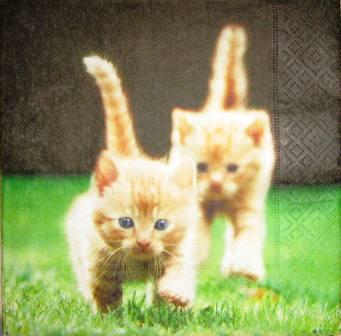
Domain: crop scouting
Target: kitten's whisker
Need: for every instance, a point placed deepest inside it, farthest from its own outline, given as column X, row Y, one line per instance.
column 113, row 241
column 154, row 265
column 125, row 265
column 110, row 254
column 160, row 263
column 159, row 267
column 106, row 259
column 109, row 258
column 128, row 264
column 119, row 263
column 170, row 245
column 171, row 254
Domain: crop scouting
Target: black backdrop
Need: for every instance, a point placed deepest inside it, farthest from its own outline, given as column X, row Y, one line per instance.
column 52, row 118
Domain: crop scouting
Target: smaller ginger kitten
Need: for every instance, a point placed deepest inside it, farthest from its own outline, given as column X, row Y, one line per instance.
column 234, row 151
column 137, row 221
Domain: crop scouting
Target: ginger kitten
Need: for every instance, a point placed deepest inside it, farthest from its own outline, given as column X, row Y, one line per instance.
column 234, row 151
column 137, row 221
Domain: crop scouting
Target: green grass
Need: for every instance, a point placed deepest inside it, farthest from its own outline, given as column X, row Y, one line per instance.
column 301, row 289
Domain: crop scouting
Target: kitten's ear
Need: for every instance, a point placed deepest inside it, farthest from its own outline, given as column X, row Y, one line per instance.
column 105, row 171
column 182, row 126
column 184, row 174
column 258, row 128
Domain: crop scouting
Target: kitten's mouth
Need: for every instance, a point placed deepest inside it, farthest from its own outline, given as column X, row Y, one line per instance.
column 141, row 254
column 222, row 193
column 214, row 195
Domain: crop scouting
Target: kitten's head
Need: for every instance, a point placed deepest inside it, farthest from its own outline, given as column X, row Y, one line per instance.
column 226, row 146
column 144, row 207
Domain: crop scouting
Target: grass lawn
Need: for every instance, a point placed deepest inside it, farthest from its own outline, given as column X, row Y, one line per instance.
column 299, row 297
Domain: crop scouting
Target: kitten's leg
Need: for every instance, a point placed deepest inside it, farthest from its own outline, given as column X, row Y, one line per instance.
column 177, row 285
column 107, row 298
column 245, row 257
column 228, row 257
column 149, row 293
column 203, row 242
column 152, row 296
column 106, row 289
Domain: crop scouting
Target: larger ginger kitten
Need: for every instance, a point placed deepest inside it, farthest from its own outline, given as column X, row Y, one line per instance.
column 137, row 221
column 234, row 151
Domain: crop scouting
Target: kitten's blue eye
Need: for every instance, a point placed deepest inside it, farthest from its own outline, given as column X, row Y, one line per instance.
column 161, row 224
column 202, row 167
column 232, row 167
column 126, row 222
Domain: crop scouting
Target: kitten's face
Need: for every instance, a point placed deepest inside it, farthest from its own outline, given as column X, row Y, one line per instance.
column 145, row 211
column 225, row 146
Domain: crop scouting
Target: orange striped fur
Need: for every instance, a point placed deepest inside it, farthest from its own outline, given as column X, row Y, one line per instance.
column 228, row 84
column 120, row 138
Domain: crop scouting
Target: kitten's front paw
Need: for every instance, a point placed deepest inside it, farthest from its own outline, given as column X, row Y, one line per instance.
column 173, row 297
column 175, row 293
column 251, row 270
column 245, row 266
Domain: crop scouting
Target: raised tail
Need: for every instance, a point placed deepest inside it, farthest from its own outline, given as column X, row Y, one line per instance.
column 228, row 83
column 120, row 137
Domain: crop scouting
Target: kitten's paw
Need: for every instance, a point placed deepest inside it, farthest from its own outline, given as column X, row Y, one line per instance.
column 175, row 294
column 177, row 299
column 254, row 271
column 246, row 267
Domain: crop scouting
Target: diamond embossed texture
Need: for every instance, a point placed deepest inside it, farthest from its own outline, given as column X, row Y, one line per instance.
column 307, row 91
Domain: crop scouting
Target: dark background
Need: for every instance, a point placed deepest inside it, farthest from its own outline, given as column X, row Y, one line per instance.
column 52, row 117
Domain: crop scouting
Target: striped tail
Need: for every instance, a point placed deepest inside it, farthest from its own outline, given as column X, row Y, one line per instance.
column 120, row 137
column 228, row 84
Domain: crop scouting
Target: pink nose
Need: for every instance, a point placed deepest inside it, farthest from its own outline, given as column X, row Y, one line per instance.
column 216, row 186
column 143, row 244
